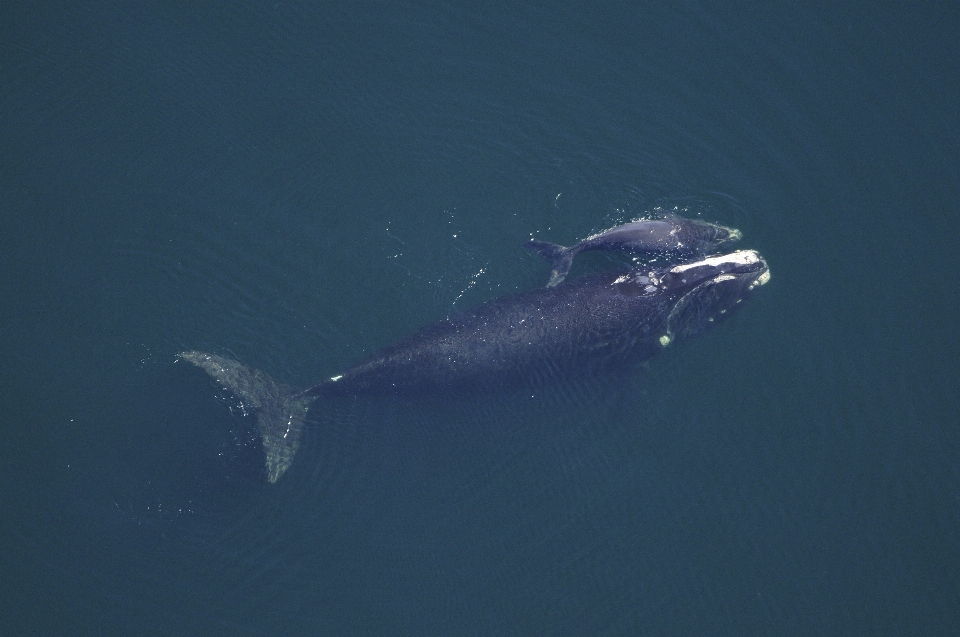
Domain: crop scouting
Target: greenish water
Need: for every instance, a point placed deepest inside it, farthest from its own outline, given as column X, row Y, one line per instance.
column 296, row 187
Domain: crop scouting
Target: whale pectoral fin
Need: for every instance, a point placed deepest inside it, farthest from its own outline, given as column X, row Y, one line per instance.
column 280, row 410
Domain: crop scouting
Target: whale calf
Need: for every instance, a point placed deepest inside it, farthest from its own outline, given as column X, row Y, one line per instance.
column 671, row 236
column 596, row 323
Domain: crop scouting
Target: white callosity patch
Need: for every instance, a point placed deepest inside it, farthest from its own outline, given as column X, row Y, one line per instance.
column 763, row 278
column 648, row 281
column 740, row 257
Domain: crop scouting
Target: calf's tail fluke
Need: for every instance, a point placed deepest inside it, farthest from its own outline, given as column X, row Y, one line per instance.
column 280, row 410
column 560, row 259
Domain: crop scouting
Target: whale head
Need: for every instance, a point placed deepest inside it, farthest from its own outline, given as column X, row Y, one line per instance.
column 709, row 290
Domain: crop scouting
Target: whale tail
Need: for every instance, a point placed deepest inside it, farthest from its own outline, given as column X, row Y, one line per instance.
column 280, row 410
column 560, row 259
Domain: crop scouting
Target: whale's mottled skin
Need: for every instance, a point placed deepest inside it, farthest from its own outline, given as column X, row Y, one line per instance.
column 587, row 326
column 669, row 237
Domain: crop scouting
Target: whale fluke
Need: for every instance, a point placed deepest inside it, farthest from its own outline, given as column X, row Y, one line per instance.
column 280, row 410
column 560, row 258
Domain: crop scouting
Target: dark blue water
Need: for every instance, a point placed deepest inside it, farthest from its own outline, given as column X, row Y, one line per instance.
column 297, row 186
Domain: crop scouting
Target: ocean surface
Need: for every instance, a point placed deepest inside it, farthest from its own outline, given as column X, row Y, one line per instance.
column 295, row 185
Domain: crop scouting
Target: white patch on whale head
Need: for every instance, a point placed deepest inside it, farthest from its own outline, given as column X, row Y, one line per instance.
column 740, row 257
column 763, row 278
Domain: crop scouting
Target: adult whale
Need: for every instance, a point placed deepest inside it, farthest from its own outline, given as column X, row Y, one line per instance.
column 590, row 325
column 671, row 237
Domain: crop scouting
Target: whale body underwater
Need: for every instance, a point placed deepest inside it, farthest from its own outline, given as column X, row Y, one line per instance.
column 591, row 325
